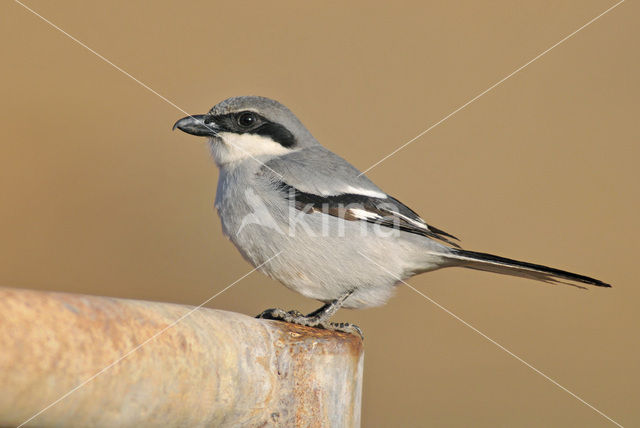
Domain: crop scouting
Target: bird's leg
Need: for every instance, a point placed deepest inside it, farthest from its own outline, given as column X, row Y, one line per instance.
column 320, row 310
column 322, row 314
column 318, row 318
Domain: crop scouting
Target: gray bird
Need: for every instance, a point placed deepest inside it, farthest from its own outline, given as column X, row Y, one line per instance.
column 308, row 218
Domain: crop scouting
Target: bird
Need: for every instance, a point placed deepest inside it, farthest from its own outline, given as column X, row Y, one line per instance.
column 307, row 218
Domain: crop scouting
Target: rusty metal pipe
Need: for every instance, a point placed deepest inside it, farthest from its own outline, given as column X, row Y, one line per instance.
column 213, row 368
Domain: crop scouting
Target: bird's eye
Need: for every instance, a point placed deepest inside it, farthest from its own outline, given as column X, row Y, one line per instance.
column 247, row 119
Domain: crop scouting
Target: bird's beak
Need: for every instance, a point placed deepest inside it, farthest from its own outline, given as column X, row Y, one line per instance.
column 201, row 125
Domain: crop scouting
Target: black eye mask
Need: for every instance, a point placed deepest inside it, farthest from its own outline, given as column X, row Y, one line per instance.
column 247, row 122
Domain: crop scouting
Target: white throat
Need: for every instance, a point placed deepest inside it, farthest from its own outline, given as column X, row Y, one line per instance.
column 229, row 147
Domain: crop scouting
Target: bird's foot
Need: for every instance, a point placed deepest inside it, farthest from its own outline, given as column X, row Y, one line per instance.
column 296, row 317
column 282, row 315
column 345, row 327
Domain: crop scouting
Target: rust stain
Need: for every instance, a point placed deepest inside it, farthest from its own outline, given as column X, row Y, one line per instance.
column 335, row 339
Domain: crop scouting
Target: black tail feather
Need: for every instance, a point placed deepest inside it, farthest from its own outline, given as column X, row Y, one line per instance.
column 503, row 265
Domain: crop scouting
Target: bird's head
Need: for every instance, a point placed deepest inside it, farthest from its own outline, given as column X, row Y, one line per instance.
column 248, row 127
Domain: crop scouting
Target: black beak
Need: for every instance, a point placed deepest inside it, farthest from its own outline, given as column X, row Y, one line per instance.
column 201, row 125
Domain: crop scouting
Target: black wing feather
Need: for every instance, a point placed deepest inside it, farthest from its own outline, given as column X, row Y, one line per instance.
column 389, row 211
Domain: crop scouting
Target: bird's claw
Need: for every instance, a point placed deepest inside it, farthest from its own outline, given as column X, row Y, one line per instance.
column 281, row 315
column 345, row 327
column 296, row 317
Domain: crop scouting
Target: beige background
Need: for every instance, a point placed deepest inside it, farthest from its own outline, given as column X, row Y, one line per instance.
column 98, row 196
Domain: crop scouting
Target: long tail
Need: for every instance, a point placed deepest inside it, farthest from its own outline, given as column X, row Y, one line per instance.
column 497, row 264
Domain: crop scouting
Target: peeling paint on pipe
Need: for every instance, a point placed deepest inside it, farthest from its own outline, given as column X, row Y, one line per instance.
column 213, row 368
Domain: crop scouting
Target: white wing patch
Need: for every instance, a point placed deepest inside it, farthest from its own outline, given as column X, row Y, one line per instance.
column 421, row 224
column 365, row 192
column 363, row 214
column 353, row 191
